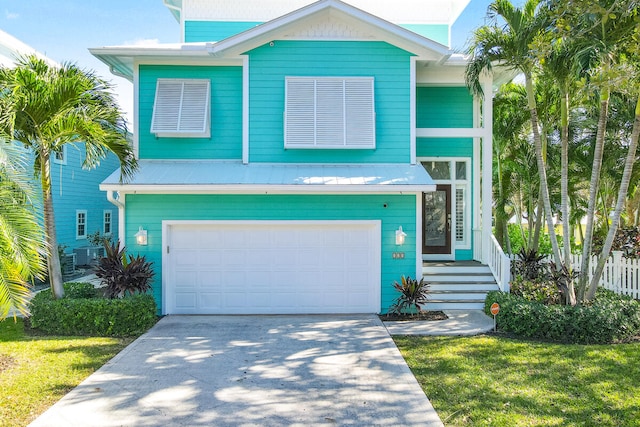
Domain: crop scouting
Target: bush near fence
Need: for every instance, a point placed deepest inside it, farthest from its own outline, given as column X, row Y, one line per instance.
column 611, row 318
column 621, row 275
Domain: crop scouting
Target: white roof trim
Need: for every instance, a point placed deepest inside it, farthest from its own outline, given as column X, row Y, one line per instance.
column 211, row 176
column 268, row 31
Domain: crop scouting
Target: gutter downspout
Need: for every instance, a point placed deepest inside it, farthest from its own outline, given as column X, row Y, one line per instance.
column 120, row 204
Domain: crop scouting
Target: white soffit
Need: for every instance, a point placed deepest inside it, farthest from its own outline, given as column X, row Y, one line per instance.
column 397, row 11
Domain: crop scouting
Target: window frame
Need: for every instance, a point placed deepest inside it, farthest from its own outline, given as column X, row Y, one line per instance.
column 63, row 159
column 80, row 212
column 105, row 222
column 349, row 126
column 179, row 105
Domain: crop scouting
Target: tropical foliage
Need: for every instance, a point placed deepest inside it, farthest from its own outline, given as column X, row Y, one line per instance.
column 413, row 295
column 45, row 108
column 566, row 139
column 21, row 247
column 123, row 274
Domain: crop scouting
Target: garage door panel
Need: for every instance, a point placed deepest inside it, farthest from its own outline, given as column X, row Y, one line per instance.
column 272, row 267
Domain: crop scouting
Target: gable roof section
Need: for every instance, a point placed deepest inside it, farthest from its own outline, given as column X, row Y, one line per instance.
column 211, row 176
column 365, row 26
column 352, row 24
column 397, row 11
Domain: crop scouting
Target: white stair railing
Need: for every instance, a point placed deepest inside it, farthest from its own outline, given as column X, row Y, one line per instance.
column 500, row 264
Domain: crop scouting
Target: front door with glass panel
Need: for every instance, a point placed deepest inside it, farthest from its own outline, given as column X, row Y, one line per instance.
column 436, row 217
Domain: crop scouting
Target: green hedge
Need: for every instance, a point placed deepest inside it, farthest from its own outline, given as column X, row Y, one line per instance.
column 95, row 316
column 610, row 318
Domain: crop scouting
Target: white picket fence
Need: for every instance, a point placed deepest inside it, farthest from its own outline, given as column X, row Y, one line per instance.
column 620, row 274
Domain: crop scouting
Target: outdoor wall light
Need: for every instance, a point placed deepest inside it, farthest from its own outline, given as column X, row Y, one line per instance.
column 141, row 236
column 400, row 235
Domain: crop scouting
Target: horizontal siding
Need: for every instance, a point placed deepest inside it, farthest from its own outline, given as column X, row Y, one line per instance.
column 390, row 67
column 226, row 114
column 465, row 254
column 444, row 147
column 74, row 188
column 436, row 32
column 211, row 31
column 444, row 107
column 149, row 211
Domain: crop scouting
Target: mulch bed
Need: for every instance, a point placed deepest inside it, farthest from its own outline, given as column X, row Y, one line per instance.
column 423, row 315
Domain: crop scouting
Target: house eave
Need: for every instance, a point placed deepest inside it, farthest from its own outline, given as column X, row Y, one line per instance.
column 267, row 189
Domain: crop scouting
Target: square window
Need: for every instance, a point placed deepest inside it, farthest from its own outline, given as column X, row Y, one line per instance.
column 182, row 108
column 438, row 170
column 329, row 112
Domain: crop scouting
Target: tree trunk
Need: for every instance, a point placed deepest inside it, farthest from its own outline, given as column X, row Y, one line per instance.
column 564, row 193
column 51, row 239
column 622, row 196
column 593, row 192
column 542, row 172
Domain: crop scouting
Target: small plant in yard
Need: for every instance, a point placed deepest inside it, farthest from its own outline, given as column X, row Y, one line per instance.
column 543, row 291
column 413, row 294
column 122, row 273
column 530, row 265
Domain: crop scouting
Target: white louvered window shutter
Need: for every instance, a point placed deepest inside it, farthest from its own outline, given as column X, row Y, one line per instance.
column 329, row 112
column 181, row 108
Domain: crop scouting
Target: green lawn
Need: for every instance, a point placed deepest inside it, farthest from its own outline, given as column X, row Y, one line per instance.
column 495, row 381
column 36, row 371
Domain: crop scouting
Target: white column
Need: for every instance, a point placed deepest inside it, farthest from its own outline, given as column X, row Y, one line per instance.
column 418, row 235
column 412, row 110
column 487, row 166
column 245, row 109
column 476, row 225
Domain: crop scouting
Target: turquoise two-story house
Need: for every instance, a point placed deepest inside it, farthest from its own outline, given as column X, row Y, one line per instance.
column 300, row 157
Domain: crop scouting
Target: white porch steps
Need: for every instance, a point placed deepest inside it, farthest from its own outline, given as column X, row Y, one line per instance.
column 457, row 285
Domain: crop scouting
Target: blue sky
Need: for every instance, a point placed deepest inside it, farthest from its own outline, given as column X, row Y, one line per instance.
column 64, row 29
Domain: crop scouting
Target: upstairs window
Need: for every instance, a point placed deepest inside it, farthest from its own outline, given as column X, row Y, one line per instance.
column 329, row 112
column 182, row 108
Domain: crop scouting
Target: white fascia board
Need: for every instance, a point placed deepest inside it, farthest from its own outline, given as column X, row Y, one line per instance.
column 389, row 32
column 267, row 189
column 121, row 59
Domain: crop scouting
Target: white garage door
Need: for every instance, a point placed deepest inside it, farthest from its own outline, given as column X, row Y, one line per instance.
column 239, row 267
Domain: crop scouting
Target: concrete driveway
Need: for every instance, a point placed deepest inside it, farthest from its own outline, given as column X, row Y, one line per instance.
column 252, row 371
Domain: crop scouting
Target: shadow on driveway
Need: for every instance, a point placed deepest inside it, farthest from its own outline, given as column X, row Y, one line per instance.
column 252, row 371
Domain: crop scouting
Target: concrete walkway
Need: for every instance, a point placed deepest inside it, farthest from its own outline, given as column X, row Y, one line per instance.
column 459, row 322
column 252, row 371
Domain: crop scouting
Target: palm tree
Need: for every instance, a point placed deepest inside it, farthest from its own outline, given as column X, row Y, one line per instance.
column 21, row 243
column 510, row 118
column 513, row 45
column 47, row 107
column 601, row 29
